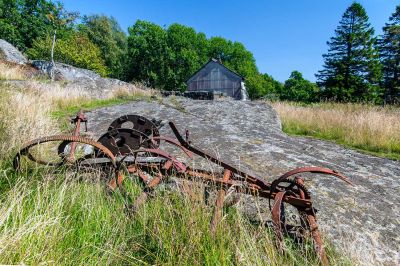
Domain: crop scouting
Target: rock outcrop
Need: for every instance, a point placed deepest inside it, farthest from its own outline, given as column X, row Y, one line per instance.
column 11, row 54
column 88, row 80
column 363, row 221
column 74, row 75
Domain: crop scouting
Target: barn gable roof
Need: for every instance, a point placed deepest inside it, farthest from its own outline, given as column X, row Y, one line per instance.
column 214, row 61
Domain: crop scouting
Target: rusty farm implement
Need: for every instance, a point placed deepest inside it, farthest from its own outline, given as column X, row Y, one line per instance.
column 133, row 145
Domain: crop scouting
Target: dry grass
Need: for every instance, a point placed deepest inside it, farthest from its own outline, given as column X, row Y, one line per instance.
column 27, row 111
column 10, row 71
column 57, row 218
column 369, row 128
column 134, row 90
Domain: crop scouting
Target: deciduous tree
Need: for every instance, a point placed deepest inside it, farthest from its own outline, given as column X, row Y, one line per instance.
column 23, row 21
column 298, row 89
column 148, row 54
column 106, row 33
column 187, row 50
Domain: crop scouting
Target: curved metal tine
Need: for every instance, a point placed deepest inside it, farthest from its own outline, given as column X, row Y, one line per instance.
column 318, row 170
column 176, row 143
column 277, row 220
column 313, row 227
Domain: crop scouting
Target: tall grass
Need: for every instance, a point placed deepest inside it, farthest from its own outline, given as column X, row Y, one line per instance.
column 10, row 71
column 57, row 219
column 66, row 217
column 372, row 129
column 35, row 109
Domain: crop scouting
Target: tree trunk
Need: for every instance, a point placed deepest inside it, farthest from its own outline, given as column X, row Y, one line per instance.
column 53, row 65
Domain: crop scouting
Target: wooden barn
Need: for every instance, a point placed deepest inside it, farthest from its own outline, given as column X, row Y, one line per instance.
column 219, row 79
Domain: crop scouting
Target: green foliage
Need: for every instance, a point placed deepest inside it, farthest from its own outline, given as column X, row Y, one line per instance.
column 187, row 52
column 261, row 86
column 389, row 46
column 351, row 70
column 106, row 33
column 235, row 56
column 166, row 58
column 23, row 21
column 148, row 54
column 75, row 49
column 297, row 88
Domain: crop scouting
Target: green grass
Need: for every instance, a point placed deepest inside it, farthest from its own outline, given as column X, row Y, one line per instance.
column 63, row 110
column 66, row 109
column 56, row 218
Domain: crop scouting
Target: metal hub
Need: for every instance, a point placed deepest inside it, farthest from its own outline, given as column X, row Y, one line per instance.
column 136, row 122
column 123, row 141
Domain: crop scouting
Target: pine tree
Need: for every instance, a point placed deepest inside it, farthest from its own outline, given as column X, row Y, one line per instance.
column 351, row 66
column 389, row 46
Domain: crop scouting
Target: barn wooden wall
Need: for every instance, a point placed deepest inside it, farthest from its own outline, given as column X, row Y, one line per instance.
column 215, row 77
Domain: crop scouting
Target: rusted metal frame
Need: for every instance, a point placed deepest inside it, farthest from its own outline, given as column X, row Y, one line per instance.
column 141, row 199
column 179, row 166
column 232, row 177
column 80, row 117
column 243, row 186
column 240, row 187
column 313, row 227
column 25, row 149
column 175, row 143
column 276, row 218
column 116, row 182
column 211, row 158
column 275, row 184
column 216, row 218
column 302, row 195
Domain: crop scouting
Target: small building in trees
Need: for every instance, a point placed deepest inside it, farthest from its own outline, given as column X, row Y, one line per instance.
column 219, row 79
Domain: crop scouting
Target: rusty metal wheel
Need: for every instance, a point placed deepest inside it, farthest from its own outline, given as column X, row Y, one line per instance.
column 123, row 141
column 137, row 122
column 287, row 219
column 28, row 150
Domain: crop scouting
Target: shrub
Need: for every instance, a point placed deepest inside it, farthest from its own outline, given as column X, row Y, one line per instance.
column 298, row 89
column 74, row 49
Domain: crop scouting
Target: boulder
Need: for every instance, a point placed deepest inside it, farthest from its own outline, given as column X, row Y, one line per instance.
column 362, row 221
column 11, row 54
column 79, row 77
column 64, row 71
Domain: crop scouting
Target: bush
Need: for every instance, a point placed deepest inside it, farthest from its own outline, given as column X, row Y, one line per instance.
column 298, row 89
column 74, row 49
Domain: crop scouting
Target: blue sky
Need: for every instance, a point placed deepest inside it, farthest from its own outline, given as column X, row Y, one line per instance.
column 283, row 35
